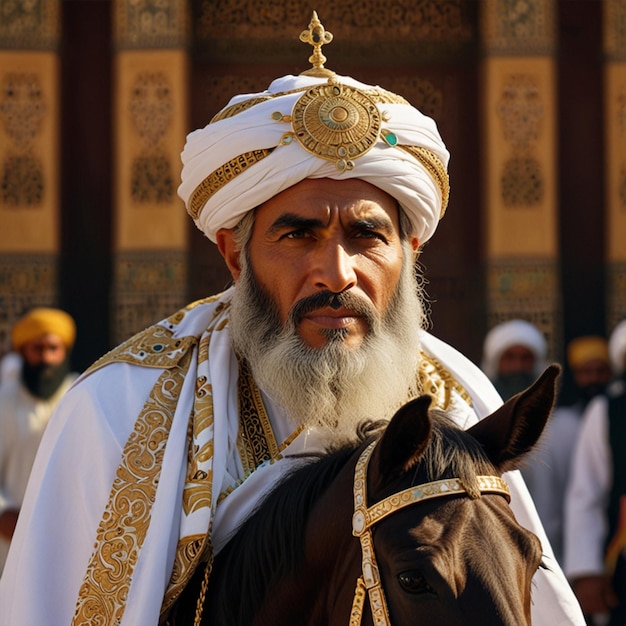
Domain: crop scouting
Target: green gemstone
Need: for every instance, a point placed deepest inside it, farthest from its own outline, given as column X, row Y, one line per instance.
column 389, row 138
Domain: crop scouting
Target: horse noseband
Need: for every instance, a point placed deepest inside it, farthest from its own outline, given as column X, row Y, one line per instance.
column 365, row 518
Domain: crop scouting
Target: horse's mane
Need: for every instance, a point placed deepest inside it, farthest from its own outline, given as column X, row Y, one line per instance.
column 272, row 539
column 269, row 545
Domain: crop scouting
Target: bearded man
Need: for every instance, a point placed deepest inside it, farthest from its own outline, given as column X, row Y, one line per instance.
column 318, row 193
column 43, row 339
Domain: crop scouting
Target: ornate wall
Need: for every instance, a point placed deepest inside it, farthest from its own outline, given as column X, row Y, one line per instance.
column 520, row 182
column 97, row 98
column 29, row 144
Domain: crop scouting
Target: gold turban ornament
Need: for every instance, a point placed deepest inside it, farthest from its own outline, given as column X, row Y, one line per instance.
column 43, row 321
column 314, row 125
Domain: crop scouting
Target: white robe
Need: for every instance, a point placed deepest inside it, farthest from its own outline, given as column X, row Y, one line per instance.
column 23, row 419
column 82, row 449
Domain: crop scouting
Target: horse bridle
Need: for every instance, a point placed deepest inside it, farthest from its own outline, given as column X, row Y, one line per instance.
column 365, row 518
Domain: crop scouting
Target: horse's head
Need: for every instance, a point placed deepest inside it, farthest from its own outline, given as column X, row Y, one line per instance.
column 463, row 558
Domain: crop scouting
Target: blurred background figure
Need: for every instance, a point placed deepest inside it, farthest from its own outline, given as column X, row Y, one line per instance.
column 514, row 354
column 595, row 504
column 43, row 340
column 548, row 468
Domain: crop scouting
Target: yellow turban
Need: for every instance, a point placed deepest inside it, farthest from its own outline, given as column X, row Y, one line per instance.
column 314, row 127
column 43, row 321
column 584, row 349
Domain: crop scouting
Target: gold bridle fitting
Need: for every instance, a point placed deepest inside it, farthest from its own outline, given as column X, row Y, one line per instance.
column 365, row 518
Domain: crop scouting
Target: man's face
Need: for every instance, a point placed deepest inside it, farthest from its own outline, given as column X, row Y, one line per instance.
column 48, row 350
column 328, row 236
column 516, row 360
column 592, row 373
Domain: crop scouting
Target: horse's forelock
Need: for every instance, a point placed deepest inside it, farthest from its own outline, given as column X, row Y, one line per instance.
column 453, row 453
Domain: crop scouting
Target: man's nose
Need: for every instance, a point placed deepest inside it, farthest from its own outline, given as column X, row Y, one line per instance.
column 335, row 269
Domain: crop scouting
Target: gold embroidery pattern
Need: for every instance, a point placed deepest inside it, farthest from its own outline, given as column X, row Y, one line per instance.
column 256, row 441
column 435, row 168
column 126, row 519
column 189, row 551
column 198, row 492
column 153, row 347
column 222, row 176
column 438, row 382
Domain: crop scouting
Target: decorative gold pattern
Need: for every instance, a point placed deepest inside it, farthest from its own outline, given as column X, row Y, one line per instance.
column 358, row 602
column 26, row 280
column 34, row 25
column 526, row 288
column 147, row 286
column 317, row 36
column 151, row 24
column 436, row 169
column 126, row 520
column 154, row 347
column 255, row 440
column 336, row 122
column 513, row 27
column 189, row 552
column 438, row 382
column 222, row 176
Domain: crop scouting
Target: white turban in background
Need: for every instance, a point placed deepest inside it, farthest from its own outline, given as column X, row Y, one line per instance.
column 617, row 348
column 513, row 333
column 313, row 127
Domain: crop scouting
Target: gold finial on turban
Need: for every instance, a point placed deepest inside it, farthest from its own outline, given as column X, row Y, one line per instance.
column 317, row 36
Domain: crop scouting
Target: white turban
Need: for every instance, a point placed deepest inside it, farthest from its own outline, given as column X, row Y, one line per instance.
column 513, row 333
column 617, row 348
column 312, row 127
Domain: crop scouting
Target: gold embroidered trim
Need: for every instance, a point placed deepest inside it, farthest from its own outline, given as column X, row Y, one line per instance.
column 435, row 168
column 189, row 553
column 255, row 440
column 239, row 107
column 222, row 176
column 125, row 522
column 438, row 382
column 153, row 347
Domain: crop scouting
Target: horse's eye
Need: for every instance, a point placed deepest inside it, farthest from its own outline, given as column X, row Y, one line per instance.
column 414, row 582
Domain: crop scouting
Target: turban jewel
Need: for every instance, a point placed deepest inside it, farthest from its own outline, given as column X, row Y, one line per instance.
column 314, row 125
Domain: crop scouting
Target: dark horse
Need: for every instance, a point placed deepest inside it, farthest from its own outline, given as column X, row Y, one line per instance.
column 455, row 558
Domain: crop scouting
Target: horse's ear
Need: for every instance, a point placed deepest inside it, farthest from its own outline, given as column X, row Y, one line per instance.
column 513, row 429
column 404, row 440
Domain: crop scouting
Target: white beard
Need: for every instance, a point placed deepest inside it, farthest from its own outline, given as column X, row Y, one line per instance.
column 335, row 387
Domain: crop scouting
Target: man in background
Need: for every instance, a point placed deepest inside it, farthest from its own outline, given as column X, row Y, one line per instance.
column 43, row 339
column 547, row 470
column 514, row 354
column 595, row 504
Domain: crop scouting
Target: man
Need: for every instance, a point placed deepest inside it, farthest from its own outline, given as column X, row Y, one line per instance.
column 43, row 339
column 318, row 193
column 595, row 513
column 514, row 354
column 547, row 470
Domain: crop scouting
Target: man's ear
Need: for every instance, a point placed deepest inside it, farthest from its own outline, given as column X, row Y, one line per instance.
column 228, row 249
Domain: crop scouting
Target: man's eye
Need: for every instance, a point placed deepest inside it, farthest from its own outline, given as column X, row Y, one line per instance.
column 371, row 234
column 296, row 234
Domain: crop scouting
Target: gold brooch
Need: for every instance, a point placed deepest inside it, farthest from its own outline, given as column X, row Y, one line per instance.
column 336, row 122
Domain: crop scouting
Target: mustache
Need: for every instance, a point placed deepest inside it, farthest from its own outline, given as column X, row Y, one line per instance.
column 333, row 300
